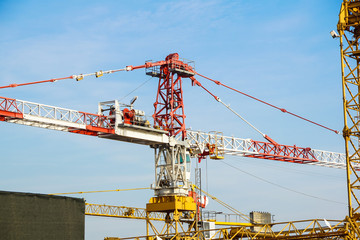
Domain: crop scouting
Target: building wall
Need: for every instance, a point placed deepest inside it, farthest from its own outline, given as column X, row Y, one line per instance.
column 39, row 216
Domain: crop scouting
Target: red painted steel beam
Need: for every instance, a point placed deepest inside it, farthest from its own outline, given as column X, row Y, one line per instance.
column 100, row 129
column 169, row 112
column 91, row 131
column 9, row 109
column 5, row 114
column 280, row 152
column 7, row 104
column 169, row 105
column 84, row 132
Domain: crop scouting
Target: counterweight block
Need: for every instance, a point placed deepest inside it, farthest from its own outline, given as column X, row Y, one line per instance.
column 171, row 204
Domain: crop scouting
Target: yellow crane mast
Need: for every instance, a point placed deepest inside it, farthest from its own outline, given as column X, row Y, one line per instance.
column 349, row 31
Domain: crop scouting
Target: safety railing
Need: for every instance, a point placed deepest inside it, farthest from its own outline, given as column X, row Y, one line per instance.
column 54, row 113
column 9, row 104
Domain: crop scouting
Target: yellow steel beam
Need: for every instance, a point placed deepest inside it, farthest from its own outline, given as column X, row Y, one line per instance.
column 232, row 223
column 102, row 210
column 121, row 212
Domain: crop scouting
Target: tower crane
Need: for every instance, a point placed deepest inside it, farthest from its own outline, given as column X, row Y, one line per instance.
column 173, row 144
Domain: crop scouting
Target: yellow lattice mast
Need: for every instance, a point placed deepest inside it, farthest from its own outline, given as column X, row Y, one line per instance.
column 349, row 30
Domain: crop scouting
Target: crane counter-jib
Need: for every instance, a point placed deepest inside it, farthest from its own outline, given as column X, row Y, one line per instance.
column 62, row 119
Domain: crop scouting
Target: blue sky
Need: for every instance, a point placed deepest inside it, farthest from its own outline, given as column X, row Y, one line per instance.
column 279, row 51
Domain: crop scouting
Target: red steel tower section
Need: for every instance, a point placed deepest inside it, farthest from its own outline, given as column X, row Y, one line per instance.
column 169, row 105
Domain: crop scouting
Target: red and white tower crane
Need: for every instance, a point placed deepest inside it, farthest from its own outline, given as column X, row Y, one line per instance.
column 173, row 145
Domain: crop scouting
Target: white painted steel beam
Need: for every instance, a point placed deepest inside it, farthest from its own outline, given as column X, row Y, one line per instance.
column 138, row 134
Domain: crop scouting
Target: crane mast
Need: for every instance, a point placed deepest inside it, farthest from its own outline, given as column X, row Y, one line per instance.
column 169, row 105
column 349, row 30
